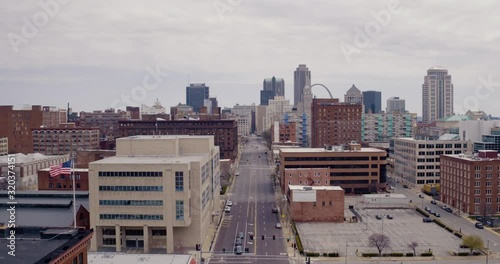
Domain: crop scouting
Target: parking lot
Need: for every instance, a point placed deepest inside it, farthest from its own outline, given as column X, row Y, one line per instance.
column 404, row 228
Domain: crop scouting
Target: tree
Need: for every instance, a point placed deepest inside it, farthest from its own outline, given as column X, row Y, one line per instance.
column 267, row 136
column 473, row 242
column 379, row 241
column 413, row 246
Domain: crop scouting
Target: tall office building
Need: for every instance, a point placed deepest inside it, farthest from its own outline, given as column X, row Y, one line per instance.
column 395, row 104
column 196, row 94
column 437, row 94
column 272, row 87
column 372, row 101
column 353, row 95
column 16, row 125
column 301, row 79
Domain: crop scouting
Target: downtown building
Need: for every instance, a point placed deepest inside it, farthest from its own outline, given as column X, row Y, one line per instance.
column 395, row 104
column 417, row 162
column 106, row 121
column 301, row 79
column 245, row 116
column 272, row 87
column 275, row 111
column 355, row 169
column 437, row 94
column 158, row 194
column 60, row 141
column 471, row 183
column 16, row 125
column 372, row 102
column 4, row 146
column 196, row 94
column 225, row 132
column 385, row 126
column 335, row 123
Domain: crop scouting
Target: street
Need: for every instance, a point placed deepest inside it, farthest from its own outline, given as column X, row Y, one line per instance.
column 253, row 199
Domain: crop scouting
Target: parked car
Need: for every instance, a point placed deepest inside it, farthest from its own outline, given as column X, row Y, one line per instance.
column 420, row 196
column 433, row 202
column 427, row 209
column 227, row 209
column 390, row 216
column 479, row 218
column 405, row 186
column 479, row 225
column 431, row 212
column 278, row 225
column 275, row 210
column 378, row 217
column 449, row 210
column 436, row 214
column 427, row 220
column 240, row 235
column 229, row 203
column 239, row 250
column 237, row 173
column 238, row 241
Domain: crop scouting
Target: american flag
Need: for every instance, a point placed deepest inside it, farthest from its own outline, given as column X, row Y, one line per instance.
column 64, row 168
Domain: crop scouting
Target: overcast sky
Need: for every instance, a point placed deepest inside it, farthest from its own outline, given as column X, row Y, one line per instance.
column 90, row 53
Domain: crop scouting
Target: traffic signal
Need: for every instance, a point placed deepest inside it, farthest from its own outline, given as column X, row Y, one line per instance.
column 198, row 247
column 274, row 237
column 262, row 237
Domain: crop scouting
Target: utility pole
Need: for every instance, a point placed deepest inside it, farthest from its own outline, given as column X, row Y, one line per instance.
column 488, row 251
column 346, row 252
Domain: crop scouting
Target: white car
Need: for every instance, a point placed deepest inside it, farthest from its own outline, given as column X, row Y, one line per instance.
column 227, row 209
column 229, row 203
column 278, row 225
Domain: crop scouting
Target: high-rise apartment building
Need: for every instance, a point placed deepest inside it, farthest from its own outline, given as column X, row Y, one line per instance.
column 16, row 125
column 245, row 116
column 385, row 126
column 301, row 79
column 471, row 183
column 335, row 123
column 156, row 194
column 196, row 94
column 272, row 87
column 275, row 111
column 53, row 117
column 353, row 95
column 372, row 101
column 60, row 141
column 395, row 104
column 437, row 94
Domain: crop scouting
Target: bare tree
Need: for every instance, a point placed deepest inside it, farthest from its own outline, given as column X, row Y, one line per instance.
column 379, row 241
column 413, row 246
column 268, row 138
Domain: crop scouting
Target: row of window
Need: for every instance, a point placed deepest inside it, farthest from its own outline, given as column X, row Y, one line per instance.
column 179, row 210
column 130, row 217
column 131, row 188
column 331, row 158
column 130, row 174
column 179, row 181
column 132, row 202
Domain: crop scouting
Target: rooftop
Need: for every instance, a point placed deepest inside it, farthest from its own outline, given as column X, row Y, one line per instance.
column 74, row 169
column 428, row 141
column 471, row 157
column 123, row 258
column 150, row 159
column 31, row 157
column 164, row 137
column 324, row 188
column 437, row 67
column 322, row 150
column 30, row 248
column 385, row 195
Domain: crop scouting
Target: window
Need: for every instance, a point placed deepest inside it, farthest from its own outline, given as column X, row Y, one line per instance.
column 477, row 200
column 478, row 176
column 179, row 181
column 488, row 191
column 477, row 184
column 488, row 183
column 80, row 258
column 477, row 191
column 179, row 210
column 51, row 186
column 488, row 200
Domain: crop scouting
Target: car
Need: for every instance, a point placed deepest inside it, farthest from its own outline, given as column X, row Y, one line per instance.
column 405, row 186
column 275, row 210
column 427, row 209
column 278, row 225
column 238, row 241
column 227, row 209
column 431, row 212
column 488, row 223
column 420, row 196
column 433, row 202
column 378, row 217
column 449, row 210
column 426, row 220
column 229, row 203
column 479, row 225
column 237, row 173
column 240, row 235
column 390, row 216
column 238, row 250
column 479, row 218
column 436, row 214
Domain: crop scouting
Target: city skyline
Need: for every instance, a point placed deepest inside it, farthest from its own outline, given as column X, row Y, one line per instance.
column 93, row 72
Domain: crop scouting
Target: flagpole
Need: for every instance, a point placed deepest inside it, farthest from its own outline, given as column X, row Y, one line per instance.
column 74, row 188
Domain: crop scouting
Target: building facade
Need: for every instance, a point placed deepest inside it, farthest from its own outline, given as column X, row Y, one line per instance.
column 27, row 167
column 272, row 87
column 489, row 142
column 158, row 192
column 275, row 111
column 437, row 94
column 53, row 117
column 16, row 125
column 63, row 182
column 372, row 101
column 196, row 94
column 385, row 126
column 225, row 132
column 106, row 121
column 156, row 109
column 60, row 141
column 4, row 146
column 356, row 170
column 395, row 104
column 471, row 183
column 353, row 95
column 301, row 79
column 335, row 123
column 245, row 115
column 284, row 132
column 417, row 162
column 306, row 177
column 317, row 204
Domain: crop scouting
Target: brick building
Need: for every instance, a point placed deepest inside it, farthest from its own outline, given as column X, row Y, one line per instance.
column 16, row 125
column 317, row 204
column 53, row 117
column 4, row 146
column 86, row 156
column 335, row 123
column 284, row 132
column 306, row 177
column 356, row 169
column 106, row 121
column 225, row 132
column 471, row 183
column 59, row 141
column 63, row 182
